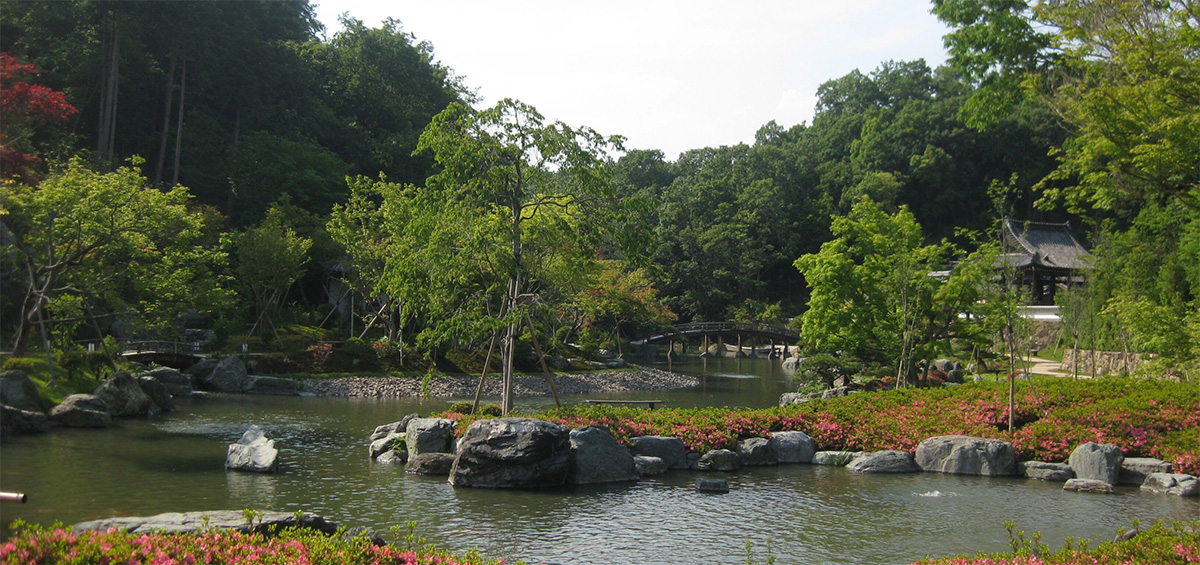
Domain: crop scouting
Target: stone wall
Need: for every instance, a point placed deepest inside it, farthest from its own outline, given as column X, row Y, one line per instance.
column 1107, row 362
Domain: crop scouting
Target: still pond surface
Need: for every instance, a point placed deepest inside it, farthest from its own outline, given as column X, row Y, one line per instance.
column 805, row 514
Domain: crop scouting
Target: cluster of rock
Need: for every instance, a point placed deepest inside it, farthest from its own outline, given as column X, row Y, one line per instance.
column 123, row 395
column 266, row 523
column 120, row 395
column 641, row 378
column 530, row 453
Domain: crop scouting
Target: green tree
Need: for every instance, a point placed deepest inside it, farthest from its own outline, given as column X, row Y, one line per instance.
column 270, row 257
column 86, row 245
column 870, row 286
column 516, row 171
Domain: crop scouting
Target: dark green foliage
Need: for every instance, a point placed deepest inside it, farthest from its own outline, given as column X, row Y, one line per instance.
column 461, row 407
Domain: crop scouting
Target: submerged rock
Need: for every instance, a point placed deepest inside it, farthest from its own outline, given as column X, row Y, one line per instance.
column 81, row 411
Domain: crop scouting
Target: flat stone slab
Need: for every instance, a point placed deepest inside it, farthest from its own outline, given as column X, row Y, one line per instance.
column 266, row 523
column 1134, row 470
column 1088, row 485
column 1177, row 484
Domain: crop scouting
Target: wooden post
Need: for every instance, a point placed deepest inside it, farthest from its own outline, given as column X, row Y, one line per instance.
column 487, row 361
column 545, row 369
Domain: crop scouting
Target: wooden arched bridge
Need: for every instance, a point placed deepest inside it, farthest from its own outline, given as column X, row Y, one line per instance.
column 681, row 332
column 166, row 353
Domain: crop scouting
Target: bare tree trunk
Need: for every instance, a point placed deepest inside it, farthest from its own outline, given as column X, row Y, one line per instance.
column 179, row 127
column 110, row 78
column 166, row 125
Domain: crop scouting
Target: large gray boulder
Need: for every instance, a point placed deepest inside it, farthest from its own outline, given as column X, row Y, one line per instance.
column 399, row 426
column 429, row 435
column 123, row 395
column 158, row 393
column 890, row 461
column 266, row 523
column 649, row 466
column 16, row 421
column 719, row 460
column 1088, row 485
column 1097, row 461
column 596, row 457
column 1177, row 484
column 757, row 452
column 793, row 447
column 966, row 455
column 253, row 452
column 17, row 391
column 229, row 375
column 81, row 411
column 669, row 449
column 1043, row 471
column 790, row 398
column 271, row 385
column 835, row 458
column 512, row 453
column 177, row 383
column 202, row 369
column 791, row 364
column 430, row 464
column 1134, row 470
column 385, row 444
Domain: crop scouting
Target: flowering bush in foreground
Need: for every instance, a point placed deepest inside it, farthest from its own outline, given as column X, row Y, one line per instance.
column 1053, row 416
column 36, row 545
column 1159, row 545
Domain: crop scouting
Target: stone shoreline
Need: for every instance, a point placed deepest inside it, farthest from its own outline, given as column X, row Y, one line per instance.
column 637, row 379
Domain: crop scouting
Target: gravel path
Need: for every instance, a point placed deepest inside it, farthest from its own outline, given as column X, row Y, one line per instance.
column 641, row 378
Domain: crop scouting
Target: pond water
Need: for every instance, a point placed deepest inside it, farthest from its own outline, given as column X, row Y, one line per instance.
column 807, row 514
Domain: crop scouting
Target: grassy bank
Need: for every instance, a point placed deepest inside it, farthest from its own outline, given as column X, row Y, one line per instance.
column 1052, row 416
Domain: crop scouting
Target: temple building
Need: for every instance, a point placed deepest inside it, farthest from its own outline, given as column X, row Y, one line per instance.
column 1046, row 256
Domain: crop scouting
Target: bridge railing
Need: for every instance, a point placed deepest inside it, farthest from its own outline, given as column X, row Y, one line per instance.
column 714, row 328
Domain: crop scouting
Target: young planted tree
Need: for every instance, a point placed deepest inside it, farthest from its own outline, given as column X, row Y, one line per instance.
column 513, row 169
column 270, row 257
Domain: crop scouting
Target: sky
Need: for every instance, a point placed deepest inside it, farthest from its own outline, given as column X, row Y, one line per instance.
column 672, row 75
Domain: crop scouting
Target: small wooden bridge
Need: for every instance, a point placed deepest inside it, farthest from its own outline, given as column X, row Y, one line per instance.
column 166, row 353
column 681, row 332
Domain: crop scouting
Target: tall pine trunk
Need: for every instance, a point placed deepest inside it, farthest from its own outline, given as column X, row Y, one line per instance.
column 109, row 79
column 179, row 126
column 166, row 125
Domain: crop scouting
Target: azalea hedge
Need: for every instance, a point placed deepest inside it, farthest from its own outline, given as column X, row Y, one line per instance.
column 1159, row 545
column 34, row 545
column 1052, row 416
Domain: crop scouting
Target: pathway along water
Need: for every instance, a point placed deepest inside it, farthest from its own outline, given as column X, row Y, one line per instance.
column 808, row 514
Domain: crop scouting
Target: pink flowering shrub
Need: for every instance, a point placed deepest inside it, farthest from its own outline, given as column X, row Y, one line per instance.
column 1159, row 545
column 1144, row 418
column 32, row 545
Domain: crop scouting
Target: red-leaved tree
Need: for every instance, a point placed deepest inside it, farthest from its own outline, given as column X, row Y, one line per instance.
column 25, row 107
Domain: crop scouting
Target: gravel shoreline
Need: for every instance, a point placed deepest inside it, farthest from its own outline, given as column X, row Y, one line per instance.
column 640, row 378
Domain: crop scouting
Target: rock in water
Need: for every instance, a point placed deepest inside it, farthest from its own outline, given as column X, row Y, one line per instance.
column 81, row 411
column 1134, row 470
column 158, row 393
column 124, row 396
column 512, row 453
column 1097, row 461
column 1177, row 484
column 254, row 452
column 177, row 383
column 1042, row 471
column 757, row 452
column 889, row 461
column 1088, row 485
column 719, row 460
column 647, row 465
column 793, row 447
column 429, row 435
column 669, row 449
column 266, row 523
column 430, row 464
column 228, row 376
column 596, row 457
column 966, row 455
